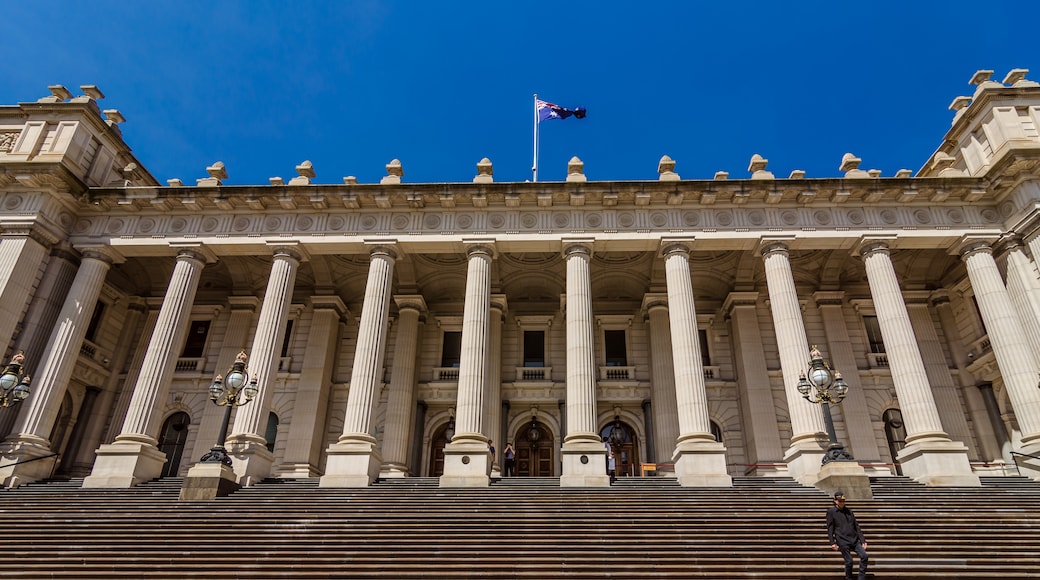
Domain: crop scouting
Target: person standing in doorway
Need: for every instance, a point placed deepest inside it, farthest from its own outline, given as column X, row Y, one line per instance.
column 846, row 536
column 611, row 466
column 510, row 454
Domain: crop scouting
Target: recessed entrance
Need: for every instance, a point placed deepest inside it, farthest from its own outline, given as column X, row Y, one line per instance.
column 534, row 450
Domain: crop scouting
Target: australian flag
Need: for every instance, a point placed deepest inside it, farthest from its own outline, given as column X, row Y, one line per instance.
column 547, row 110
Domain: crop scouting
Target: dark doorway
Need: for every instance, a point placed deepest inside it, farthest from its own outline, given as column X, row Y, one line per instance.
column 171, row 442
column 622, row 441
column 534, row 450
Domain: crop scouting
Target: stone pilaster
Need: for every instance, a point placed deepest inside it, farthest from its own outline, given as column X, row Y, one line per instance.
column 1010, row 345
column 808, row 439
column 929, row 456
column 134, row 456
column 400, row 404
column 493, row 380
column 755, row 395
column 306, row 432
column 467, row 461
column 583, row 455
column 29, row 439
column 354, row 461
column 21, row 256
column 662, row 376
column 699, row 459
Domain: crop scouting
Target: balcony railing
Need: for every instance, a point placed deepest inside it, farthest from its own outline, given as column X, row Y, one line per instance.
column 877, row 360
column 533, row 374
column 446, row 374
column 617, row 373
column 712, row 374
column 190, row 365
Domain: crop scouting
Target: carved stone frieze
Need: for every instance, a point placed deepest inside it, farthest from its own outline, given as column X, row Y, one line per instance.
column 7, row 139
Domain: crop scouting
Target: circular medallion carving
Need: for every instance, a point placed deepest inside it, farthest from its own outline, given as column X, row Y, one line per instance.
column 241, row 224
column 529, row 220
column 305, row 222
column 626, row 220
column 594, row 220
column 923, row 216
column 146, row 225
column 209, row 224
column 12, row 201
column 691, row 218
column 822, row 217
column 368, row 222
column 659, row 219
column 1006, row 209
column 955, row 215
column 989, row 215
column 178, row 224
column 724, row 218
column 115, row 225
column 888, row 216
column 400, row 222
column 561, row 220
column 272, row 223
column 497, row 220
column 432, row 221
column 464, row 221
column 789, row 217
column 82, row 226
column 855, row 216
column 337, row 223
column 65, row 219
column 756, row 217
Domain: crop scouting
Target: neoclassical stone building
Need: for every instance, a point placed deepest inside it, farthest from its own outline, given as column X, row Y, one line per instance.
column 394, row 328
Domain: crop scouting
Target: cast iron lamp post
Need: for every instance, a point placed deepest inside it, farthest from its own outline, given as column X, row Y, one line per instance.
column 824, row 386
column 14, row 387
column 234, row 390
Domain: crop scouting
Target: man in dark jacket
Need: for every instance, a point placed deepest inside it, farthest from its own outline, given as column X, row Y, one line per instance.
column 845, row 535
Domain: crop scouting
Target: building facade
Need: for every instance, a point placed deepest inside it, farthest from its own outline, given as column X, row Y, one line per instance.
column 394, row 329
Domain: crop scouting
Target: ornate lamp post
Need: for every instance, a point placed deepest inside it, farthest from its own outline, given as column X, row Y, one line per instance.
column 14, row 387
column 234, row 390
column 820, row 384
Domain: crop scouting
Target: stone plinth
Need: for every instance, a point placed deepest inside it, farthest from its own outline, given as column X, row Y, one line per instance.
column 125, row 464
column 584, row 465
column 702, row 464
column 847, row 477
column 208, row 481
column 940, row 463
column 351, row 463
column 466, row 464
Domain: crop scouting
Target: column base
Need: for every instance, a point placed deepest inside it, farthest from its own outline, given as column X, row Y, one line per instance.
column 804, row 460
column 352, row 462
column 701, row 463
column 847, row 477
column 584, row 464
column 296, row 470
column 208, row 481
column 19, row 463
column 466, row 464
column 124, row 464
column 939, row 463
column 393, row 471
column 251, row 460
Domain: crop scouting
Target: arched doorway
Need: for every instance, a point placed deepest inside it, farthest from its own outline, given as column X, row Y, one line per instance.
column 622, row 441
column 171, row 442
column 895, row 433
column 441, row 437
column 534, row 450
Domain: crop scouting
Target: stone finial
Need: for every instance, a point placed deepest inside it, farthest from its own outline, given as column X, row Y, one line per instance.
column 797, row 174
column 960, row 103
column 92, row 91
column 306, row 173
column 576, row 170
column 666, row 169
column 114, row 116
column 485, row 172
column 350, row 180
column 875, row 173
column 394, row 173
column 980, row 76
column 276, row 180
column 216, row 172
column 757, row 167
column 60, row 92
column 175, row 182
column 1017, row 77
column 850, row 165
column 943, row 165
column 721, row 175
column 904, row 173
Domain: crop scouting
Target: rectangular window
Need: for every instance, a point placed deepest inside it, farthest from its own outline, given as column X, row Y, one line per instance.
column 196, row 344
column 702, row 339
column 614, row 345
column 287, row 341
column 451, row 351
column 534, row 348
column 95, row 321
column 877, row 344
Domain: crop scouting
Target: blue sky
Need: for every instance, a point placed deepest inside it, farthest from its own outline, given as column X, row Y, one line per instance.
column 264, row 85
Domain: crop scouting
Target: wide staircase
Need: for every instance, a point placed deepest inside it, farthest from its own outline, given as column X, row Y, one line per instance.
column 516, row 528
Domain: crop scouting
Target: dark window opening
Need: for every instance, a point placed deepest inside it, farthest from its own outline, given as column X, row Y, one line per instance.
column 288, row 339
column 702, row 339
column 614, row 345
column 877, row 344
column 534, row 348
column 196, row 344
column 451, row 352
column 95, row 321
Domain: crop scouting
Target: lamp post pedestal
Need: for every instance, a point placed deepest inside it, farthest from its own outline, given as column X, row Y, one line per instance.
column 207, row 481
column 845, row 476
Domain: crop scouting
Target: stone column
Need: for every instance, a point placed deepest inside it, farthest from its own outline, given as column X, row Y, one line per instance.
column 354, row 461
column 134, row 456
column 699, row 459
column 22, row 253
column 42, row 314
column 583, row 455
column 662, row 375
column 126, row 389
column 1010, row 345
column 400, row 404
column 859, row 429
column 306, row 436
column 247, row 445
column 76, row 463
column 29, row 439
column 493, row 380
column 808, row 438
column 466, row 459
column 755, row 395
column 930, row 456
column 1022, row 289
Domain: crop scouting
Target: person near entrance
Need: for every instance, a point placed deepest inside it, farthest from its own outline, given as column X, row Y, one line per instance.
column 510, row 454
column 846, row 536
column 611, row 465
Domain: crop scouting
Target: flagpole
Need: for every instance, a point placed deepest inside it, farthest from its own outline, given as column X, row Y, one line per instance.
column 534, row 166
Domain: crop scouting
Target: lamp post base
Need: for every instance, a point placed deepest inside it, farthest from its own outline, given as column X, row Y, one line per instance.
column 217, row 455
column 836, row 452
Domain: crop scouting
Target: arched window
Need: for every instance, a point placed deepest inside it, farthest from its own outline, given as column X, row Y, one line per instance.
column 895, row 432
column 172, row 438
column 271, row 435
column 716, row 431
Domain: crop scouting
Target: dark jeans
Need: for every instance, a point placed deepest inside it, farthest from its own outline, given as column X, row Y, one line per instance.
column 510, row 467
column 846, row 552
